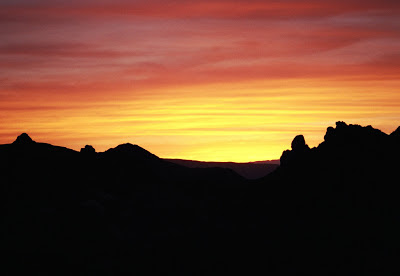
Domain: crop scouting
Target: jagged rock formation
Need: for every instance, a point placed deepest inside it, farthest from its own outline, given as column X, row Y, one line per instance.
column 341, row 196
column 350, row 145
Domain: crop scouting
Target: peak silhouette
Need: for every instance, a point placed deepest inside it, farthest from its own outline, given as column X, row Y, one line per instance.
column 128, row 148
column 132, row 151
column 327, row 210
column 23, row 139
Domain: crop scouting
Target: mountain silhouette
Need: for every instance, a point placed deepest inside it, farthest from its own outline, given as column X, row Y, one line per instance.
column 250, row 170
column 327, row 210
column 87, row 211
column 133, row 151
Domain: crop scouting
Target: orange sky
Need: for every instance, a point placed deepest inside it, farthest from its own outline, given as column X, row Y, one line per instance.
column 206, row 80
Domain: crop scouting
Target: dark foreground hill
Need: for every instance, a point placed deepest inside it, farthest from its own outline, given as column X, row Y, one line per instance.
column 121, row 211
column 329, row 210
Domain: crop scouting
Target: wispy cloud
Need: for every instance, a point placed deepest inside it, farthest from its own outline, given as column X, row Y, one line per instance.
column 302, row 62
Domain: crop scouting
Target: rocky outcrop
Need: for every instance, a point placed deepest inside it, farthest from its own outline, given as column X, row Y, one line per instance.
column 23, row 139
column 299, row 144
column 353, row 135
column 299, row 150
column 88, row 149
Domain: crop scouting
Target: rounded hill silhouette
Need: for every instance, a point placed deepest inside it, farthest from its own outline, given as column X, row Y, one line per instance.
column 23, row 139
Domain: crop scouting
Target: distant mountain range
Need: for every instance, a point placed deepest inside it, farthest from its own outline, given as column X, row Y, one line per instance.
column 329, row 210
column 249, row 170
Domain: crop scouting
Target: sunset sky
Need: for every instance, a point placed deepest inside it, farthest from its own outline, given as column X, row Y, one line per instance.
column 205, row 80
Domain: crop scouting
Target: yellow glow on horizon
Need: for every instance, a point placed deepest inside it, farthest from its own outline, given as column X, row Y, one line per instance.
column 244, row 121
column 214, row 80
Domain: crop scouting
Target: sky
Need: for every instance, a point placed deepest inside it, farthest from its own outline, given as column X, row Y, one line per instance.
column 203, row 80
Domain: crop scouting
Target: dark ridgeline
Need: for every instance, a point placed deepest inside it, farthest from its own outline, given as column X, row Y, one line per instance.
column 250, row 170
column 329, row 210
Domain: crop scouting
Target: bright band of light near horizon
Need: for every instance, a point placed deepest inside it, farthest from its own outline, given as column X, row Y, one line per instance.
column 203, row 80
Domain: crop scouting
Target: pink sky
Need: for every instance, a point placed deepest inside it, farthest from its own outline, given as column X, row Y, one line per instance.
column 209, row 80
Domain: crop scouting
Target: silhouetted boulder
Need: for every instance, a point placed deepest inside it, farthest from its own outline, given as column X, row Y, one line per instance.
column 330, row 132
column 23, row 139
column 298, row 143
column 299, row 148
column 88, row 149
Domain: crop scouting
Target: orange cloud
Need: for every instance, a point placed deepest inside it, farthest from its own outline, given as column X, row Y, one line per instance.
column 209, row 80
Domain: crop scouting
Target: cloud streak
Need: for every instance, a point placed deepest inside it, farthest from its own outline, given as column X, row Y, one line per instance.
column 195, row 9
column 234, row 70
